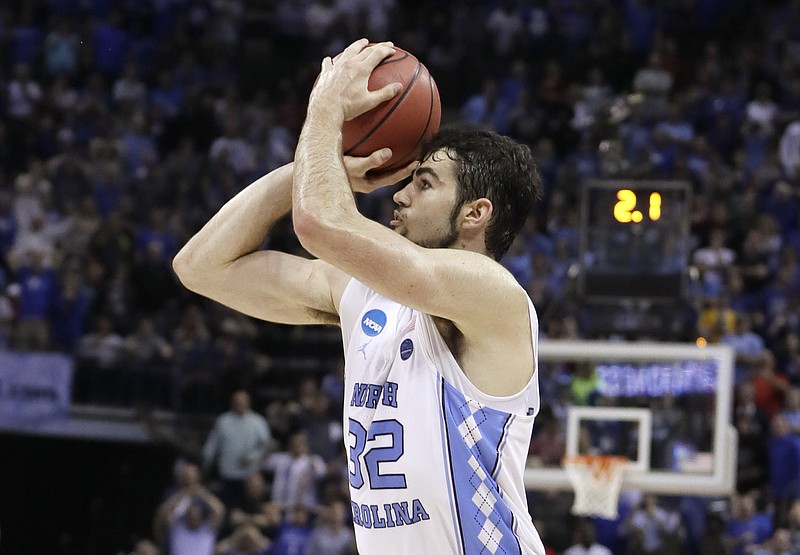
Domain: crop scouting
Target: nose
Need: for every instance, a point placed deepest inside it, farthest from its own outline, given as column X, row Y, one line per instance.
column 401, row 196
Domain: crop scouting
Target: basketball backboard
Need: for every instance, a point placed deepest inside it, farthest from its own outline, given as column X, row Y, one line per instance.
column 664, row 406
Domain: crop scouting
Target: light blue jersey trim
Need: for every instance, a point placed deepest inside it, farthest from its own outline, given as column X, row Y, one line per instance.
column 476, row 434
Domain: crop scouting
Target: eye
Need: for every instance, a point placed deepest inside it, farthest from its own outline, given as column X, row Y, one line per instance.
column 424, row 184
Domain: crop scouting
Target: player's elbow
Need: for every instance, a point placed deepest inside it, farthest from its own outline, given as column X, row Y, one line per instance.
column 310, row 229
column 182, row 265
column 188, row 269
column 322, row 232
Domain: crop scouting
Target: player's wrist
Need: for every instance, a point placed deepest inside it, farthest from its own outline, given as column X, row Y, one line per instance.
column 324, row 112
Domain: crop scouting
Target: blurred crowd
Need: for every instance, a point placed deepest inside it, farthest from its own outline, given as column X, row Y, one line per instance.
column 261, row 485
column 125, row 125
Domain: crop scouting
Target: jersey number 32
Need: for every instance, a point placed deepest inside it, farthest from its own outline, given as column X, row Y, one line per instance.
column 366, row 456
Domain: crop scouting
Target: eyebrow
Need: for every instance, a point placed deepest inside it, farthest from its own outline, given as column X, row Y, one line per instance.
column 421, row 170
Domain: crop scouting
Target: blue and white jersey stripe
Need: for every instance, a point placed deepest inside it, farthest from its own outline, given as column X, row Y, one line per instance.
column 477, row 435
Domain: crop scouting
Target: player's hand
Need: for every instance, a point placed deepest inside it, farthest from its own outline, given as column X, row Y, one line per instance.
column 362, row 181
column 341, row 87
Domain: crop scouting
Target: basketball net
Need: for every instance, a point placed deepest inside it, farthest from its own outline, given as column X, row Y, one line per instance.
column 597, row 481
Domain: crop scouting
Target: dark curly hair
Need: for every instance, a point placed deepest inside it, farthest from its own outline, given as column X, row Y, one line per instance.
column 492, row 166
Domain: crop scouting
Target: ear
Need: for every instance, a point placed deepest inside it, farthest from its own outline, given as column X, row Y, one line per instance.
column 476, row 214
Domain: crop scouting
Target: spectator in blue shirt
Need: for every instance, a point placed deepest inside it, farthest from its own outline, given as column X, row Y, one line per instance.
column 294, row 534
column 747, row 345
column 744, row 529
column 62, row 48
column 784, row 464
column 110, row 44
column 26, row 41
column 37, row 299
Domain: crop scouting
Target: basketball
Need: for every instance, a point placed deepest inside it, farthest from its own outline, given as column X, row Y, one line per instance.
column 402, row 123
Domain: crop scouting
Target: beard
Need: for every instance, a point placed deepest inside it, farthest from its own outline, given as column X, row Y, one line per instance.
column 446, row 239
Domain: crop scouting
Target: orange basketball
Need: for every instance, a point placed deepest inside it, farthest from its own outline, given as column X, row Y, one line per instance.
column 403, row 122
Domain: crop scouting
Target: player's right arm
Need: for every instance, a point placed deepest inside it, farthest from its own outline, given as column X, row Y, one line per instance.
column 223, row 261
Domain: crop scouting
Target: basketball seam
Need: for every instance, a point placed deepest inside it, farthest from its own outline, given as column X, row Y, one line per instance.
column 430, row 112
column 424, row 129
column 393, row 60
column 387, row 114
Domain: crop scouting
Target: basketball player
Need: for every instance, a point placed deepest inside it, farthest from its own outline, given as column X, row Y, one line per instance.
column 440, row 340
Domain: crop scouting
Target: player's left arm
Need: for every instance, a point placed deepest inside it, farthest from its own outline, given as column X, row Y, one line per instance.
column 468, row 288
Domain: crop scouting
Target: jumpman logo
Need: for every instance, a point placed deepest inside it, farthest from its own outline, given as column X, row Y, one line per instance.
column 363, row 349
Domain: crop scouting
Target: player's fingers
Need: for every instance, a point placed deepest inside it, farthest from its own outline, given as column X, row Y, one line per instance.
column 386, row 93
column 376, row 53
column 377, row 159
column 326, row 63
column 353, row 49
column 399, row 175
column 360, row 165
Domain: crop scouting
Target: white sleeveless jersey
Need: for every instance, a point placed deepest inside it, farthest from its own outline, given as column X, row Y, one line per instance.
column 435, row 465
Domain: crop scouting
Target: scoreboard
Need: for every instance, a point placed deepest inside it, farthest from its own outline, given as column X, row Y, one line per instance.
column 634, row 239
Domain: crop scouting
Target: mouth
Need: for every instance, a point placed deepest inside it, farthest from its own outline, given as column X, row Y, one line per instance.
column 396, row 219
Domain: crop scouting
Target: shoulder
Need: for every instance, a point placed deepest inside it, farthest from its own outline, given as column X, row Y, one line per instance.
column 257, row 419
column 221, row 419
column 498, row 289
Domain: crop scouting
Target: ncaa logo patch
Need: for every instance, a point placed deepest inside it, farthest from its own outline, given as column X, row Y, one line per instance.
column 373, row 322
column 406, row 348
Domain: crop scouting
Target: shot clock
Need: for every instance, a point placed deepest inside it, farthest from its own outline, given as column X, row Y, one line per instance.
column 634, row 239
column 626, row 211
